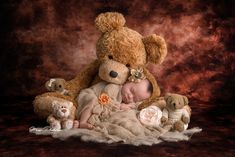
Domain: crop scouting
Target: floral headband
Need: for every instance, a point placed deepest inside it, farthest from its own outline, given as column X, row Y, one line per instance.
column 136, row 75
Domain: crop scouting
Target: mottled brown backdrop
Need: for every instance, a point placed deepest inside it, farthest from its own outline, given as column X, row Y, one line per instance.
column 41, row 39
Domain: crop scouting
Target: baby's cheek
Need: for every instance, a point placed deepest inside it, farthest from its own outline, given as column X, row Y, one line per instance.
column 145, row 96
column 137, row 98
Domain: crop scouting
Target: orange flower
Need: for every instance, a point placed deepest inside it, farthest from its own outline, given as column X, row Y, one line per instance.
column 104, row 99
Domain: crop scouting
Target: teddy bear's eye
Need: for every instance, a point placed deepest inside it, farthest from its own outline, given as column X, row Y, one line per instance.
column 110, row 57
column 60, row 86
column 128, row 65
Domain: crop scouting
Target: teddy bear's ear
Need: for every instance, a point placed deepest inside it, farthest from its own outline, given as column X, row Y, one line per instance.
column 48, row 87
column 108, row 21
column 70, row 104
column 54, row 104
column 185, row 100
column 167, row 95
column 49, row 84
column 156, row 49
column 59, row 81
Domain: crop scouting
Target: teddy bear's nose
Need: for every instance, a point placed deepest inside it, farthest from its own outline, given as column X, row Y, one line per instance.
column 64, row 110
column 113, row 74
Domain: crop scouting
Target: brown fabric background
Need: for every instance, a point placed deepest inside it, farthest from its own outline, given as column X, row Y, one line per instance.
column 56, row 38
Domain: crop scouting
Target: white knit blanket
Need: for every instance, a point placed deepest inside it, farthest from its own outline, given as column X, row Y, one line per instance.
column 120, row 127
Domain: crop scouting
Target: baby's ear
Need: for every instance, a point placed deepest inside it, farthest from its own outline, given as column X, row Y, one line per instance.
column 185, row 100
column 155, row 47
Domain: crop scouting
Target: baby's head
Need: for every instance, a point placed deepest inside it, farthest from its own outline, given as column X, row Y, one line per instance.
column 136, row 92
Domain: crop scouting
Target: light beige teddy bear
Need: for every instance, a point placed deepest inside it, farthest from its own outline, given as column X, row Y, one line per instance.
column 175, row 114
column 61, row 115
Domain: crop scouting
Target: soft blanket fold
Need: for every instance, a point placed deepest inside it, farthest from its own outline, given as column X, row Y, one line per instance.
column 121, row 126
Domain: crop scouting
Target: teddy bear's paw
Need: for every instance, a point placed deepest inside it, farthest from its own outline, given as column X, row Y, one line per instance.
column 66, row 93
column 55, row 125
column 179, row 126
column 68, row 124
column 163, row 119
column 185, row 119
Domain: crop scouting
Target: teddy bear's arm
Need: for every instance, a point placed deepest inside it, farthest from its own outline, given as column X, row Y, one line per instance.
column 188, row 109
column 51, row 119
column 185, row 116
column 165, row 113
column 83, row 79
column 113, row 91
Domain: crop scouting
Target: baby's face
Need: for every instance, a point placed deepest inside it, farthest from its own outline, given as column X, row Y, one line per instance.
column 135, row 92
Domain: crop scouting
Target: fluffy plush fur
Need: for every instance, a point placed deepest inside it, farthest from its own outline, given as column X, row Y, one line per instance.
column 56, row 85
column 60, row 117
column 118, row 49
column 175, row 114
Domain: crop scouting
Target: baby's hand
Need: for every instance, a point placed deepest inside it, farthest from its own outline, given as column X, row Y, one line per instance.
column 124, row 107
column 132, row 105
column 127, row 106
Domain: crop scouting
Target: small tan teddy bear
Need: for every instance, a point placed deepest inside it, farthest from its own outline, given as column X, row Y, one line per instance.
column 56, row 85
column 60, row 117
column 175, row 114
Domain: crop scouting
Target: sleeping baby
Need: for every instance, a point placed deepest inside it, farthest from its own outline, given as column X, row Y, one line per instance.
column 98, row 101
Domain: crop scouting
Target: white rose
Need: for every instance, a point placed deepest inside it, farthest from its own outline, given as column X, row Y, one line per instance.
column 150, row 116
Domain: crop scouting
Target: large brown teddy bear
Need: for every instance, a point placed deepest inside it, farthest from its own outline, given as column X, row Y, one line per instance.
column 118, row 50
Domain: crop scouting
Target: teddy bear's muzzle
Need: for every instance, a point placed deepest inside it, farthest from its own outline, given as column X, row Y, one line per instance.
column 113, row 74
column 64, row 110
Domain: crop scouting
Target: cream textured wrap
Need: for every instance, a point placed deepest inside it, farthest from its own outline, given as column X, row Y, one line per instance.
column 122, row 126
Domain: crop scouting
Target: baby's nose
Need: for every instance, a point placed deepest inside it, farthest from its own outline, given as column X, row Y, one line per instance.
column 130, row 96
